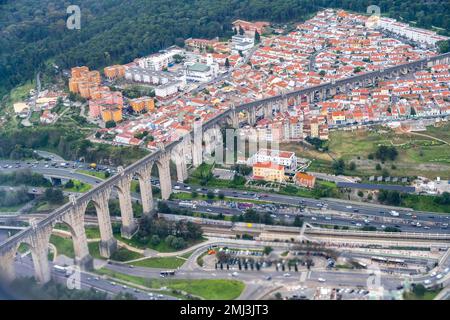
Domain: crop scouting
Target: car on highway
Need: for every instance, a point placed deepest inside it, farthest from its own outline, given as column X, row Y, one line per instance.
column 359, row 224
column 427, row 281
column 439, row 276
column 286, row 275
column 235, row 274
column 321, row 279
column 348, row 207
column 446, row 270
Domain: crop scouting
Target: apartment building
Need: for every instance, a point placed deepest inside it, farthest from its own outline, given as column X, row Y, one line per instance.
column 268, row 171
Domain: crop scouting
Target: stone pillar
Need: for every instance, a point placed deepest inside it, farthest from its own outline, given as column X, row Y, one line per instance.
column 268, row 111
column 178, row 156
column 39, row 242
column 284, row 105
column 126, row 208
column 234, row 120
column 7, row 273
column 74, row 218
column 164, row 175
column 108, row 244
column 196, row 145
column 145, row 186
column 251, row 116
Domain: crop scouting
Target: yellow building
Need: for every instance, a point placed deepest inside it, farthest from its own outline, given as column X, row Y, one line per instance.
column 114, row 114
column 116, row 71
column 143, row 103
column 268, row 171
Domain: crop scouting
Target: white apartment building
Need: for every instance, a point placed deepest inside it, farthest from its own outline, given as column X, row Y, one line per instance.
column 286, row 159
column 242, row 43
column 415, row 34
column 199, row 72
column 168, row 89
column 159, row 61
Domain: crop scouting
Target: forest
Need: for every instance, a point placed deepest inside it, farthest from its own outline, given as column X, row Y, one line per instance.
column 34, row 37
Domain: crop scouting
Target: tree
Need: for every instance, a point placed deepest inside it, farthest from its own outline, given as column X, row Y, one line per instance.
column 227, row 63
column 419, row 290
column 69, row 184
column 298, row 222
column 267, row 250
column 110, row 124
column 163, row 207
column 194, row 194
column 338, row 166
column 241, row 31
column 352, row 166
column 155, row 240
column 178, row 58
column 210, row 195
column 257, row 37
column 360, row 194
column 221, row 195
column 54, row 196
column 378, row 167
column 384, row 153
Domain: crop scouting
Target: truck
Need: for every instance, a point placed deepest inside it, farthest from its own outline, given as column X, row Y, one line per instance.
column 394, row 213
column 187, row 204
column 93, row 166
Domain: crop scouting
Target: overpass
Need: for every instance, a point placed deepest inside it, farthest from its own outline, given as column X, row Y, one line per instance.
column 37, row 236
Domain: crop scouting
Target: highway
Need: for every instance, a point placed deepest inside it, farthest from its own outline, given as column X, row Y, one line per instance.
column 320, row 210
column 24, row 268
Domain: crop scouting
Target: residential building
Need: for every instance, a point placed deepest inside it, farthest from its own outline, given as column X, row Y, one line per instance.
column 242, row 43
column 286, row 159
column 268, row 171
column 304, row 180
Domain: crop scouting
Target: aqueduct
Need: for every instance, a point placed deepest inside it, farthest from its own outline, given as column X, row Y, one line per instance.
column 197, row 143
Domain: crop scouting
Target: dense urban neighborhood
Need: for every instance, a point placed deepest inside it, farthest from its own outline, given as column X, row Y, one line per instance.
column 284, row 161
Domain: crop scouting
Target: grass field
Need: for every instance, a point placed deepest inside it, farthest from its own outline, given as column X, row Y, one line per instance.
column 164, row 263
column 78, row 186
column 97, row 174
column 429, row 295
column 428, row 157
column 209, row 289
column 12, row 208
column 63, row 245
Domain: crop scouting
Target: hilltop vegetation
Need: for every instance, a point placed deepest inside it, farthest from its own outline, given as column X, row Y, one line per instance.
column 33, row 34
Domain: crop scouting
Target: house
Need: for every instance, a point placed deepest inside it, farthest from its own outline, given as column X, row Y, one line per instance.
column 304, row 180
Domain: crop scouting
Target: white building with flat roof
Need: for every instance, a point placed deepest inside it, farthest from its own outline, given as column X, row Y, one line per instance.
column 159, row 61
column 242, row 43
column 286, row 159
column 199, row 72
column 415, row 34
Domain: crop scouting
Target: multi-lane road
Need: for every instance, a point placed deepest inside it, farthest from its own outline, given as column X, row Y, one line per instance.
column 24, row 268
column 319, row 211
